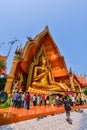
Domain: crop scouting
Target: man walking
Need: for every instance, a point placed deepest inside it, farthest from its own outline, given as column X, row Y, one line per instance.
column 67, row 109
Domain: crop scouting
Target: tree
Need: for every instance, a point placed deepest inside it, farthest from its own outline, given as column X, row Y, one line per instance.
column 2, row 83
column 85, row 91
column 2, row 65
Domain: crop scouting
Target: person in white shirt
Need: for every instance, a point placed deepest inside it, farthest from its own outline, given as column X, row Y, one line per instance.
column 22, row 99
column 73, row 100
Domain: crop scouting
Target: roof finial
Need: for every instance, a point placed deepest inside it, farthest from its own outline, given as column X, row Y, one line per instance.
column 70, row 70
column 46, row 28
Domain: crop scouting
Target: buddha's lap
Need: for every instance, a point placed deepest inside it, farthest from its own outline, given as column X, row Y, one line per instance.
column 47, row 87
column 58, row 85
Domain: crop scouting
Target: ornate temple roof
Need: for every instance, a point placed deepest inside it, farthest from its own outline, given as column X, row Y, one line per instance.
column 54, row 57
column 81, row 80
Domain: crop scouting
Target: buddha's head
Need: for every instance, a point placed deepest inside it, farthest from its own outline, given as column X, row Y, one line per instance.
column 43, row 60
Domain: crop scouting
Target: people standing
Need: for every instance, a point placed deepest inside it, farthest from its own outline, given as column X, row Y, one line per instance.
column 25, row 104
column 40, row 97
column 38, row 100
column 73, row 100
column 28, row 100
column 14, row 99
column 67, row 109
column 57, row 100
column 19, row 100
column 34, row 98
column 48, row 100
column 43, row 99
column 23, row 99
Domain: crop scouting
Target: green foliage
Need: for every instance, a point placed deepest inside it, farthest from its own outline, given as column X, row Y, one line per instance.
column 2, row 64
column 85, row 91
column 2, row 83
column 6, row 104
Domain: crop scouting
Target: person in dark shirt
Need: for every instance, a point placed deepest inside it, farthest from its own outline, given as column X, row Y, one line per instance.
column 67, row 109
column 19, row 96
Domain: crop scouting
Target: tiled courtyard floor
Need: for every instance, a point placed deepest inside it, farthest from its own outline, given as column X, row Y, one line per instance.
column 56, row 122
column 15, row 118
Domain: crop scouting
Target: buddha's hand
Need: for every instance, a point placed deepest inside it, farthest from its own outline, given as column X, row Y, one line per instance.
column 40, row 76
column 46, row 70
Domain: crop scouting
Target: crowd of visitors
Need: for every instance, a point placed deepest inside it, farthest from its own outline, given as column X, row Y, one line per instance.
column 22, row 99
column 25, row 99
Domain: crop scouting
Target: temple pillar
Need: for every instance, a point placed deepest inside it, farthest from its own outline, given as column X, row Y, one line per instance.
column 72, row 83
column 71, row 80
column 10, row 77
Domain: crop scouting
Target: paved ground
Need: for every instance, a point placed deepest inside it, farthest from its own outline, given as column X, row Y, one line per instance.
column 52, row 122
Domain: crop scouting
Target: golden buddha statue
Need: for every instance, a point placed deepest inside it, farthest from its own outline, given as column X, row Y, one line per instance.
column 42, row 78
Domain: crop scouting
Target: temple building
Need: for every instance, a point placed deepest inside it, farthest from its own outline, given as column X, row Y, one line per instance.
column 39, row 67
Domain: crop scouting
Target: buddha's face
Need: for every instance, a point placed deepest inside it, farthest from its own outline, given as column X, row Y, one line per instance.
column 44, row 61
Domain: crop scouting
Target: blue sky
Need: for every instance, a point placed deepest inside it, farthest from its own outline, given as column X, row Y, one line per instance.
column 67, row 22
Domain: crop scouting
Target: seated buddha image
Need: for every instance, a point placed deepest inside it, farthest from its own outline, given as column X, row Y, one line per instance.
column 42, row 78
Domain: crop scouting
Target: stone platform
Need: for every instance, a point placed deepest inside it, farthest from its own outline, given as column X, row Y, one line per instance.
column 13, row 115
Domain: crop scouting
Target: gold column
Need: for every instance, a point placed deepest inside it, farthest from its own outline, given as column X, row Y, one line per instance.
column 10, row 77
column 71, row 82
